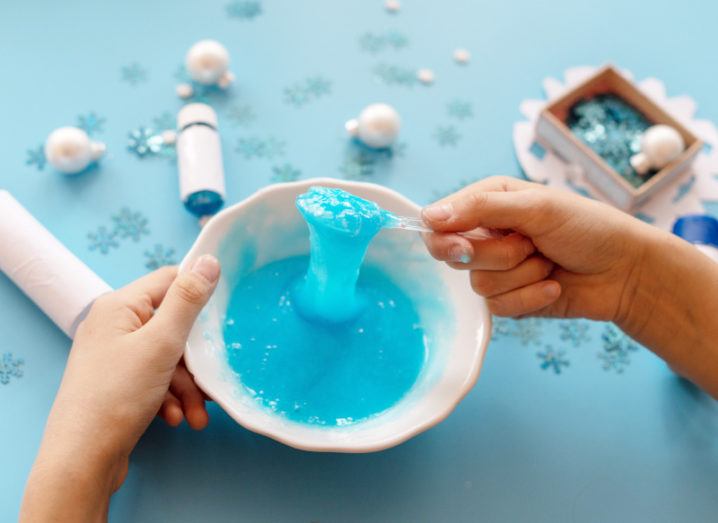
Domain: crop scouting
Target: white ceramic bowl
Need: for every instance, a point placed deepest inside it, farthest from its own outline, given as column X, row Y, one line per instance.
column 267, row 227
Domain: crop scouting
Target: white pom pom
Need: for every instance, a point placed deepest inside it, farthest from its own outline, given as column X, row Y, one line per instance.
column 392, row 6
column 70, row 150
column 207, row 61
column 169, row 137
column 184, row 91
column 425, row 76
column 462, row 56
column 660, row 145
column 377, row 126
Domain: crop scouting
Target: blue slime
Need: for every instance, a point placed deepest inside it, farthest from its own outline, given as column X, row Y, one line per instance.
column 313, row 339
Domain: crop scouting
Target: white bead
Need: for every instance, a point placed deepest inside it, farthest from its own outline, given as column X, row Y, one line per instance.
column 169, row 137
column 425, row 76
column 70, row 150
column 392, row 6
column 462, row 56
column 207, row 61
column 377, row 125
column 660, row 145
column 226, row 80
column 184, row 91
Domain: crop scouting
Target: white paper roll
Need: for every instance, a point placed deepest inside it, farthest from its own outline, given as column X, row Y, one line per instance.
column 54, row 278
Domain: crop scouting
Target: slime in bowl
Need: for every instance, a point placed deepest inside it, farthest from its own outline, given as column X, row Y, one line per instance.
column 315, row 339
column 266, row 228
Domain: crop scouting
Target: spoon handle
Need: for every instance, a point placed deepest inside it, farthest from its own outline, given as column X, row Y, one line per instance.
column 416, row 224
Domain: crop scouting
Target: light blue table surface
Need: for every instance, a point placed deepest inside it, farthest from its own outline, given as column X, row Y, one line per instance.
column 613, row 436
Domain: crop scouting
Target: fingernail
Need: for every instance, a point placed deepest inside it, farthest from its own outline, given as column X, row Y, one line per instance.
column 207, row 266
column 438, row 213
column 551, row 290
column 459, row 253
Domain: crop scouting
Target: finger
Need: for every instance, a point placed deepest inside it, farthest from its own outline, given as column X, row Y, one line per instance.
column 496, row 254
column 492, row 283
column 185, row 298
column 154, row 285
column 171, row 410
column 191, row 397
column 525, row 300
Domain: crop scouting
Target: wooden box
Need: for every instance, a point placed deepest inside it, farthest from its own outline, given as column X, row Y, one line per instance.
column 553, row 133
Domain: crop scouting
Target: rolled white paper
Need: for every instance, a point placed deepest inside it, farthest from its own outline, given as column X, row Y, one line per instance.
column 54, row 278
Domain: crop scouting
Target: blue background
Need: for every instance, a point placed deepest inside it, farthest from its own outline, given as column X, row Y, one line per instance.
column 612, row 436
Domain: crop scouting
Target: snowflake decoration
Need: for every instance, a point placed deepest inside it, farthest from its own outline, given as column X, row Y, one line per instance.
column 244, row 9
column 460, row 109
column 102, row 240
column 10, row 367
column 241, row 114
column 36, row 157
column 133, row 74
column 447, row 136
column 374, row 43
column 310, row 89
column 357, row 166
column 255, row 147
column 159, row 256
column 526, row 330
column 144, row 141
column 395, row 75
column 551, row 359
column 91, row 123
column 574, row 331
column 616, row 350
column 285, row 173
column 164, row 121
column 130, row 224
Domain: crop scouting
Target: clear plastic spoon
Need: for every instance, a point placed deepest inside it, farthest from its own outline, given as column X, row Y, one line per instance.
column 417, row 224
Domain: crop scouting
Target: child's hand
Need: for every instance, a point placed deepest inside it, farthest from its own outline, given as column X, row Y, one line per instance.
column 124, row 365
column 561, row 255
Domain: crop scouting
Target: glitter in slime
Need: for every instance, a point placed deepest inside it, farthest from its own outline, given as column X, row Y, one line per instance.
column 316, row 340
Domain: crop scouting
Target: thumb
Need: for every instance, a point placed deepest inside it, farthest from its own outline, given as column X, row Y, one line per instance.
column 185, row 298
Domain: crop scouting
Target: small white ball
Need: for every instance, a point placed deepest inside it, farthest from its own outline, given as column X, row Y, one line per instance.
column 70, row 150
column 425, row 76
column 184, row 91
column 660, row 145
column 378, row 125
column 207, row 61
column 169, row 137
column 462, row 56
column 392, row 6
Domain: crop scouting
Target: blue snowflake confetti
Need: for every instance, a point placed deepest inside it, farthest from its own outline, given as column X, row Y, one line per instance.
column 241, row 115
column 374, row 43
column 102, row 240
column 145, row 141
column 447, row 136
column 552, row 359
column 164, row 121
column 256, row 147
column 159, row 256
column 244, row 9
column 130, row 224
column 684, row 189
column 617, row 348
column 526, row 330
column 285, row 173
column 305, row 91
column 357, row 166
column 395, row 75
column 133, row 74
column 574, row 331
column 10, row 367
column 36, row 157
column 460, row 109
column 91, row 123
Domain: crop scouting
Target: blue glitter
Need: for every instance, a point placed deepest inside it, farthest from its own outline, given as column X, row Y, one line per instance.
column 312, row 88
column 10, row 367
column 159, row 256
column 684, row 189
column 285, row 173
column 374, row 43
column 133, row 74
column 255, row 147
column 244, row 9
column 616, row 350
column 574, row 331
column 102, row 240
column 395, row 75
column 36, row 157
column 130, row 224
column 91, row 123
column 551, row 359
column 241, row 115
column 447, row 136
column 460, row 109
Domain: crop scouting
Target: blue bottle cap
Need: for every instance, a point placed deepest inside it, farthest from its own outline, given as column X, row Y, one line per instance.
column 697, row 228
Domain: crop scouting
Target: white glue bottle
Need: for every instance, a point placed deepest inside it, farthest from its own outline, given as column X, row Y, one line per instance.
column 44, row 269
column 199, row 158
column 701, row 230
